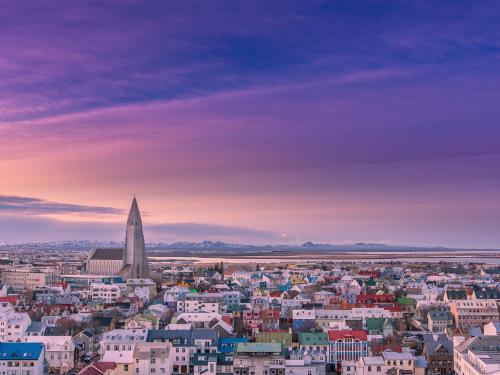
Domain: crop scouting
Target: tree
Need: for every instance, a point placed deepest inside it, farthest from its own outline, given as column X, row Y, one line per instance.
column 69, row 325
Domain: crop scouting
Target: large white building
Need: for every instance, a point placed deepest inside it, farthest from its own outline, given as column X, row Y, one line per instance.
column 109, row 293
column 59, row 352
column 477, row 355
column 21, row 358
column 387, row 363
column 473, row 313
column 131, row 261
column 153, row 358
column 121, row 339
column 13, row 324
column 23, row 279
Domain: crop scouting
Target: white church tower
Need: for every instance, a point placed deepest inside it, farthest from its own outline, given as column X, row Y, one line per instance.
column 131, row 261
column 135, row 258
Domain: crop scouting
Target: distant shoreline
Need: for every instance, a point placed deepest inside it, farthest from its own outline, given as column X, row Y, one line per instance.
column 467, row 256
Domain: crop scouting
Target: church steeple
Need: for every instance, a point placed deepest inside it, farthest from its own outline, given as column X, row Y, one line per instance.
column 135, row 259
column 134, row 216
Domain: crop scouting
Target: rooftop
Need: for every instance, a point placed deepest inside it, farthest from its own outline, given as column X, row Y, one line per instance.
column 20, row 351
column 258, row 347
column 108, row 254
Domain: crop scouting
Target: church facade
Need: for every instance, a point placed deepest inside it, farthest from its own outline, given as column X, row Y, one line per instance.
column 131, row 261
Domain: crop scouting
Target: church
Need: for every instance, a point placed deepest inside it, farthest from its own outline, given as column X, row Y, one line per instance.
column 130, row 261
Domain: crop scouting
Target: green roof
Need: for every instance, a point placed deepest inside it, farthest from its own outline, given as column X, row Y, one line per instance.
column 235, row 307
column 456, row 294
column 406, row 301
column 284, row 337
column 313, row 338
column 370, row 282
column 258, row 347
column 376, row 324
column 147, row 317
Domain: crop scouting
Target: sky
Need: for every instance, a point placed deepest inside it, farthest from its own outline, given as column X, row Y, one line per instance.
column 251, row 122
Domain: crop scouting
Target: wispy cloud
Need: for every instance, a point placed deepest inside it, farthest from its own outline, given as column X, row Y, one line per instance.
column 237, row 112
column 138, row 53
column 10, row 204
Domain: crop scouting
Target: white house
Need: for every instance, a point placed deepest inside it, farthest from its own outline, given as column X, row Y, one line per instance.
column 153, row 358
column 109, row 293
column 13, row 325
column 121, row 339
column 59, row 352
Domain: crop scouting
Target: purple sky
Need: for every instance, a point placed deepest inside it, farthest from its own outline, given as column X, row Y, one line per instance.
column 257, row 122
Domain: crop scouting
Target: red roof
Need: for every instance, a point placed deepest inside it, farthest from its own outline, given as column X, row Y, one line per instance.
column 345, row 334
column 64, row 285
column 378, row 348
column 98, row 368
column 374, row 298
column 369, row 273
column 393, row 308
column 90, row 370
column 103, row 366
column 10, row 299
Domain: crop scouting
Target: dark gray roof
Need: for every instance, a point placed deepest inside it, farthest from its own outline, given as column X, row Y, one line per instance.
column 108, row 254
column 35, row 327
column 433, row 341
column 206, row 334
column 178, row 337
column 487, row 292
column 440, row 315
column 488, row 347
column 182, row 337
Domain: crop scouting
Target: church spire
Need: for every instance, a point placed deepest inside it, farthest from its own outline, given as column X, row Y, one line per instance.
column 135, row 259
column 134, row 216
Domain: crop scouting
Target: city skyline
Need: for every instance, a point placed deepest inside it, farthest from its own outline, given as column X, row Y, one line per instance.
column 254, row 123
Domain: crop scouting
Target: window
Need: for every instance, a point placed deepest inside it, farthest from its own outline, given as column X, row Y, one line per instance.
column 125, row 367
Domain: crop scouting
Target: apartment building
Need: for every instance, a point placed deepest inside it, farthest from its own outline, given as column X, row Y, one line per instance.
column 477, row 355
column 439, row 321
column 153, row 358
column 13, row 324
column 347, row 345
column 21, row 358
column 21, row 280
column 59, row 352
column 259, row 358
column 108, row 293
column 473, row 313
column 438, row 351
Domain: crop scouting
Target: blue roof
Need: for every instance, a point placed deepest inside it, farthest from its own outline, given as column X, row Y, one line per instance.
column 227, row 344
column 20, row 350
